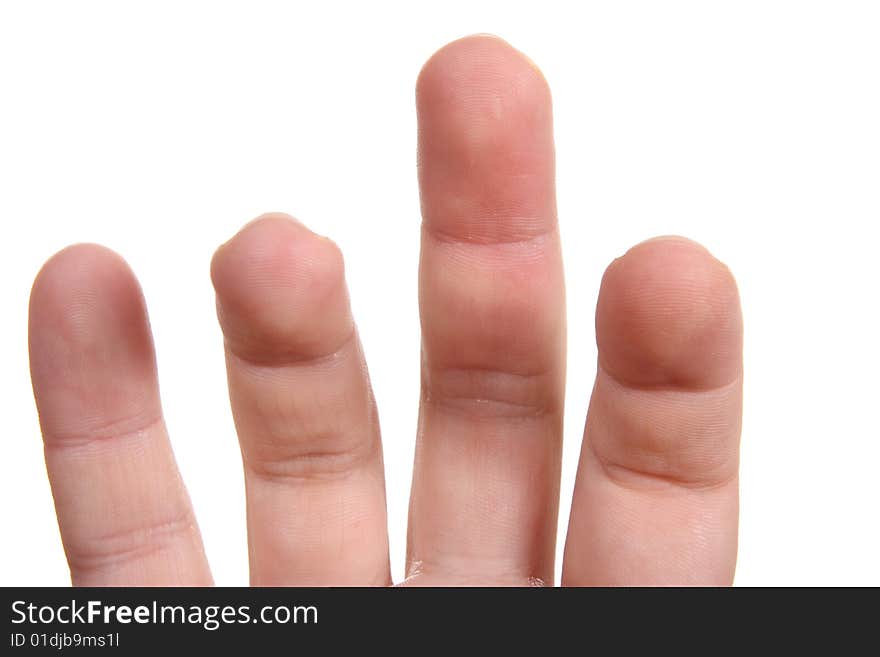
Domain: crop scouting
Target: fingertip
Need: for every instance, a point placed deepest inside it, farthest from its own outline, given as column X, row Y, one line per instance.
column 83, row 292
column 80, row 269
column 485, row 153
column 669, row 315
column 482, row 53
column 91, row 350
column 480, row 86
column 277, row 285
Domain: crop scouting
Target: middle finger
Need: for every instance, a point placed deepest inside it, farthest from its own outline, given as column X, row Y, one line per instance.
column 486, row 481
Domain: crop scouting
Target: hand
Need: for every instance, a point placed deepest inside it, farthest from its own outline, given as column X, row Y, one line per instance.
column 656, row 494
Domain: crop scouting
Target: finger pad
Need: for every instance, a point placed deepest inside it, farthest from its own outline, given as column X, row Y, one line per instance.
column 485, row 143
column 92, row 359
column 281, row 290
column 669, row 315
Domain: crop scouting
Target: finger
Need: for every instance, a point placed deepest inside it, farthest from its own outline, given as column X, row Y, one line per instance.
column 485, row 487
column 656, row 497
column 123, row 511
column 303, row 408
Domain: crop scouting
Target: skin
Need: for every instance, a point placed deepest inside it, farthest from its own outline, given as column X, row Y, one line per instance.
column 656, row 494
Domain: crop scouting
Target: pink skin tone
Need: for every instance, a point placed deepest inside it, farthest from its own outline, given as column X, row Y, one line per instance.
column 656, row 495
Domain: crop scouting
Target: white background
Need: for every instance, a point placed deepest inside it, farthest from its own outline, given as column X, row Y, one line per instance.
column 159, row 128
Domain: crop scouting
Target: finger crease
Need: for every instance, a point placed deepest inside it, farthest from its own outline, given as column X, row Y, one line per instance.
column 118, row 548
